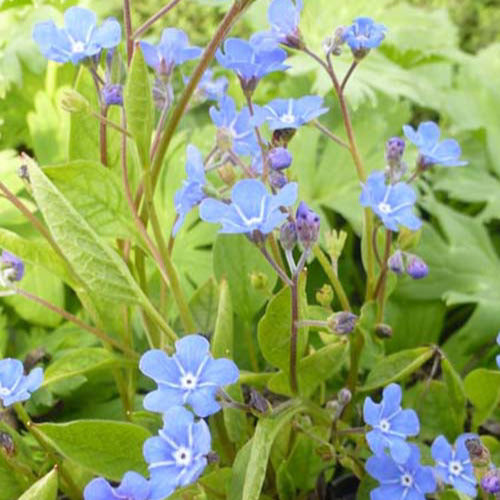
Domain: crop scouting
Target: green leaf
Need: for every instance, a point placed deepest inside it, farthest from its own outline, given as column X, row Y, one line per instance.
column 138, row 103
column 203, row 306
column 43, row 489
column 483, row 391
column 456, row 390
column 11, row 487
column 312, row 370
column 223, row 337
column 103, row 447
column 284, row 483
column 396, row 367
column 235, row 259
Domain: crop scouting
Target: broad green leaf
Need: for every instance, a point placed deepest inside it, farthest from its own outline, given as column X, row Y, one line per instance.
column 97, row 195
column 138, row 103
column 456, row 390
column 396, row 367
column 203, row 306
column 11, row 485
column 284, row 483
column 43, row 489
column 482, row 387
column 312, row 370
column 105, row 448
column 235, row 259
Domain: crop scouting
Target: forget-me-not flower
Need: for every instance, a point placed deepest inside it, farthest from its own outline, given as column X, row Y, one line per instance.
column 191, row 193
column 251, row 60
column 79, row 38
column 363, row 34
column 177, row 456
column 284, row 18
column 400, row 481
column 190, row 376
column 432, row 151
column 209, row 88
column 290, row 113
column 237, row 126
column 173, row 49
column 252, row 208
column 453, row 464
column 11, row 268
column 393, row 203
column 391, row 425
column 16, row 387
column 132, row 487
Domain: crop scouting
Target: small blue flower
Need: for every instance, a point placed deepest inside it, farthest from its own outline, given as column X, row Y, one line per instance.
column 133, row 487
column 400, row 481
column 209, row 88
column 252, row 208
column 191, row 193
column 177, row 456
column 431, row 151
column 498, row 357
column 251, row 60
column 173, row 49
column 391, row 424
column 453, row 464
column 79, row 38
column 364, row 34
column 16, row 387
column 238, row 126
column 284, row 18
column 290, row 113
column 191, row 376
column 393, row 203
column 112, row 94
column 12, row 267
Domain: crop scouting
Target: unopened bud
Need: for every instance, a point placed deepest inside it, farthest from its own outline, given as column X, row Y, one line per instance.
column 335, row 242
column 416, row 268
column 259, row 280
column 344, row 396
column 224, row 139
column 490, row 482
column 212, row 457
column 11, row 267
column 383, row 331
column 394, row 150
column 288, row 235
column 342, row 323
column 283, row 136
column 308, row 224
column 334, row 406
column 478, row 453
column 112, row 94
column 324, row 296
column 73, row 102
column 408, row 239
column 227, row 174
column 280, row 158
column 7, row 444
column 259, row 402
column 396, row 262
column 277, row 179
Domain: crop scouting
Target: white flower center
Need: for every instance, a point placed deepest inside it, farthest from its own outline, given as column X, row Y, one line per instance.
column 78, row 47
column 455, row 468
column 407, row 480
column 5, row 391
column 182, row 457
column 188, row 381
column 384, row 425
column 288, row 118
column 385, row 208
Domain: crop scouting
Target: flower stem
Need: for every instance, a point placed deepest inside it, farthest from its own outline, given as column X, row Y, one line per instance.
column 348, row 75
column 103, row 135
column 276, row 267
column 139, row 31
column 128, row 30
column 294, row 331
column 379, row 293
column 329, row 134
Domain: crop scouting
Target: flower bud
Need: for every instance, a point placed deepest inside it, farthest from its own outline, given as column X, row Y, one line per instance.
column 212, row 457
column 73, row 102
column 383, row 331
column 259, row 402
column 227, row 174
column 396, row 262
column 307, row 223
column 344, row 396
column 335, row 242
column 342, row 323
column 490, row 482
column 283, row 136
column 394, row 150
column 478, row 453
column 12, row 267
column 324, row 295
column 112, row 94
column 259, row 280
column 224, row 139
column 7, row 444
column 288, row 235
column 277, row 179
column 416, row 268
column 280, row 158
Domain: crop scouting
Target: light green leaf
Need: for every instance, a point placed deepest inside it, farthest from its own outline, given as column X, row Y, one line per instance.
column 482, row 387
column 203, row 306
column 11, row 487
column 456, row 390
column 223, row 337
column 284, row 483
column 43, row 489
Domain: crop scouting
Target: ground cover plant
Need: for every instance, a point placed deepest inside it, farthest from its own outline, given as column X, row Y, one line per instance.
column 249, row 251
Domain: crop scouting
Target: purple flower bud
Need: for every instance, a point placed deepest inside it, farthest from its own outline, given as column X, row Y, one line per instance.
column 277, row 179
column 280, row 158
column 288, row 235
column 394, row 150
column 344, row 396
column 342, row 323
column 307, row 224
column 112, row 94
column 396, row 262
column 490, row 482
column 13, row 267
column 416, row 267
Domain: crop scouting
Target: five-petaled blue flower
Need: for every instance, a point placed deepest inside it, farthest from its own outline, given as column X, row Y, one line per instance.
column 16, row 387
column 11, row 267
column 290, row 113
column 209, row 88
column 191, row 376
column 453, row 464
column 133, row 487
column 251, row 60
column 393, row 203
column 407, row 481
column 431, row 151
column 177, row 456
column 191, row 193
column 237, row 126
column 391, row 424
column 284, row 18
column 79, row 38
column 252, row 208
column 173, row 49
column 364, row 34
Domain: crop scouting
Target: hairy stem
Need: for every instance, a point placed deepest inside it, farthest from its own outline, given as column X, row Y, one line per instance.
column 103, row 135
column 330, row 135
column 382, row 281
column 294, row 333
column 276, row 267
column 128, row 30
column 348, row 75
column 139, row 31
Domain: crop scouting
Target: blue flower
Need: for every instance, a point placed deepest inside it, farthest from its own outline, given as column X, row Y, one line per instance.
column 12, row 267
column 290, row 113
column 177, row 456
column 453, row 465
column 133, row 487
column 79, row 38
column 210, row 89
column 391, row 424
column 14, row 385
column 393, row 203
column 364, row 34
column 251, row 60
column 407, row 481
column 284, row 18
column 237, row 126
column 191, row 376
column 191, row 193
column 173, row 49
column 252, row 208
column 432, row 152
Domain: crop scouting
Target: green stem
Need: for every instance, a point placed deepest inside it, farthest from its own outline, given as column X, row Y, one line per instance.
column 103, row 135
column 294, row 333
column 382, row 281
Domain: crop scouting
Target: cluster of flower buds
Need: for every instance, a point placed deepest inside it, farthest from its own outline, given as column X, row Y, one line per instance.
column 396, row 167
column 307, row 224
column 401, row 262
column 332, row 45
